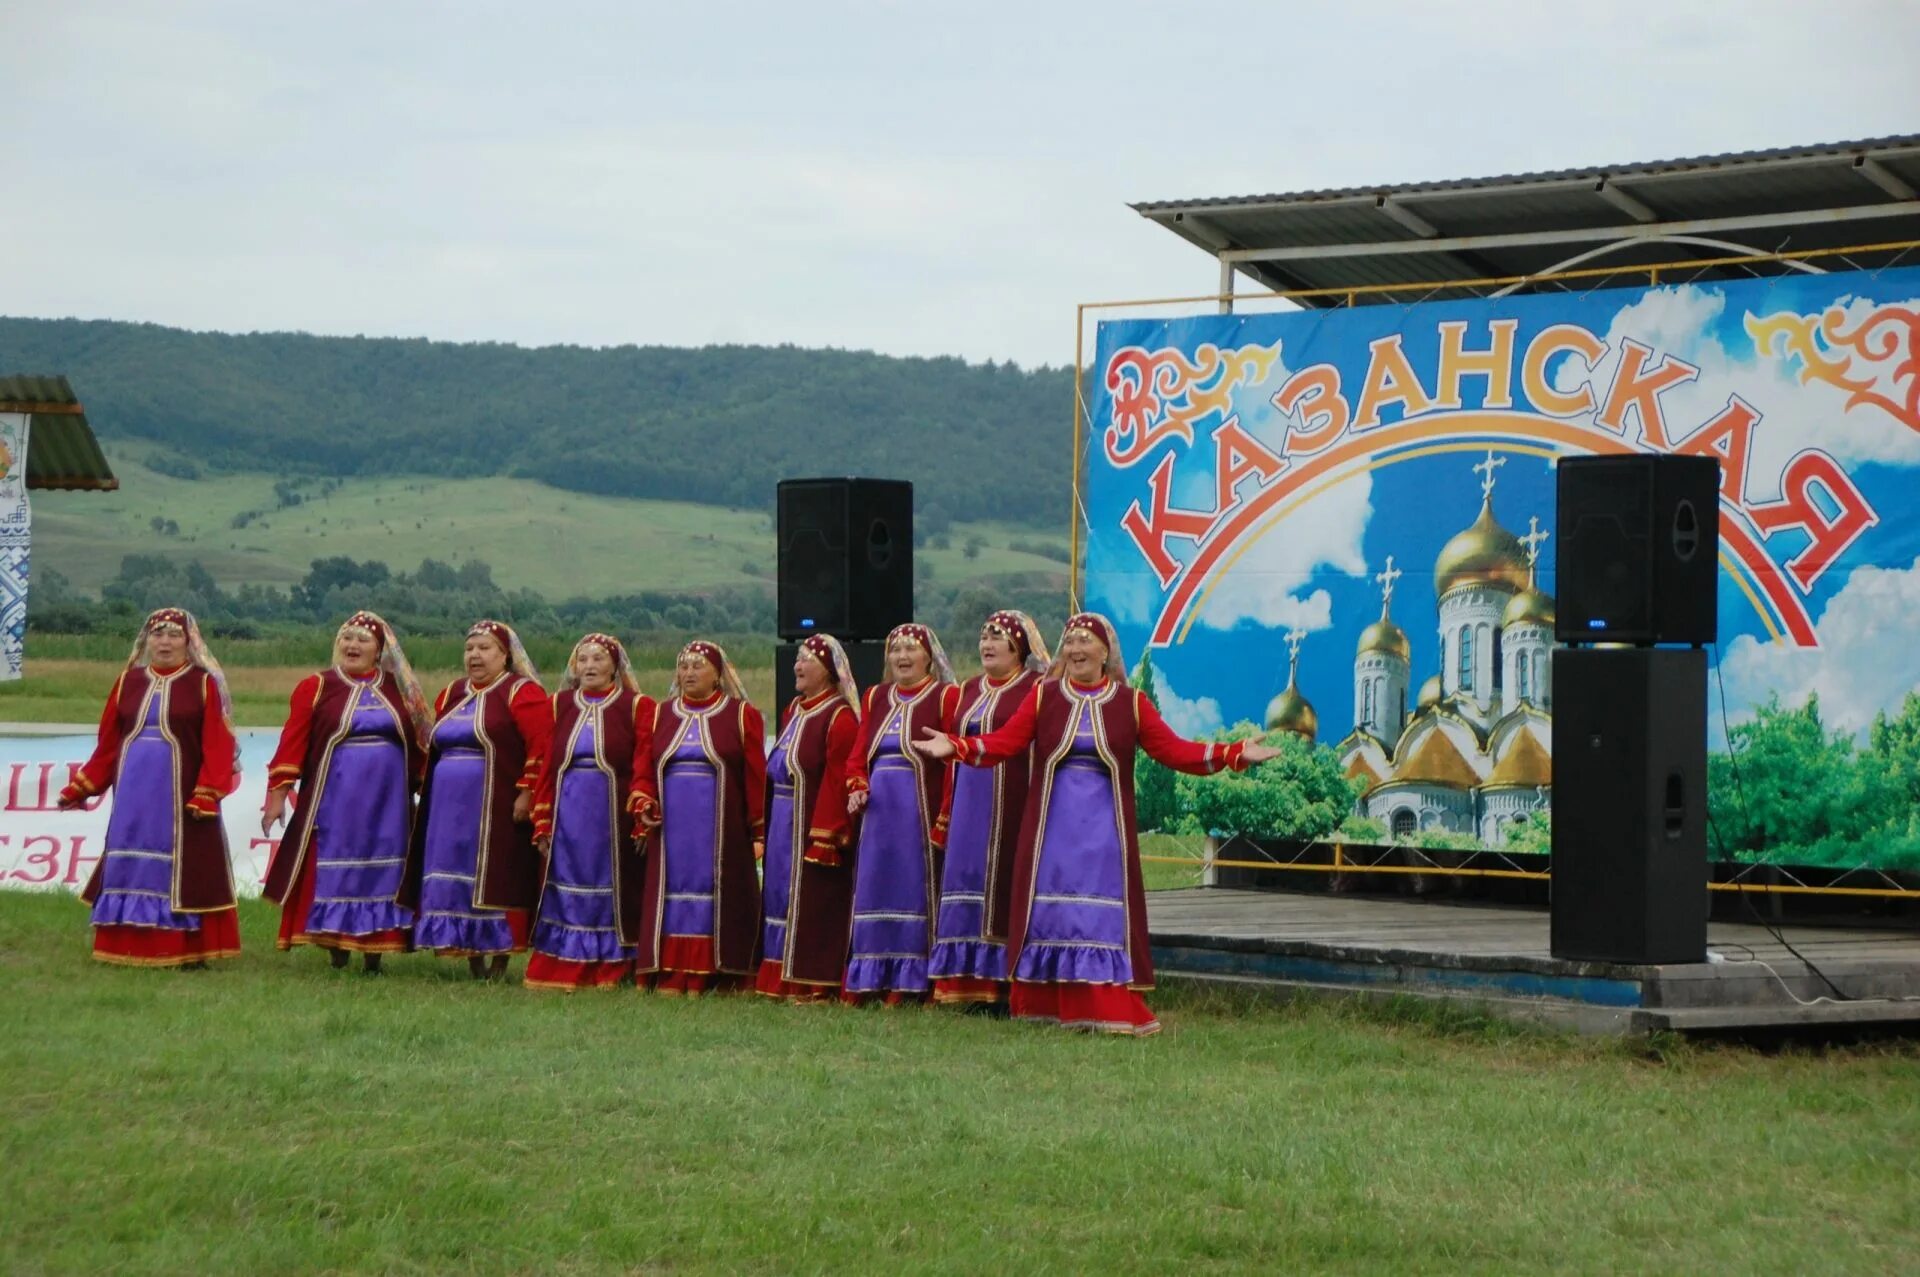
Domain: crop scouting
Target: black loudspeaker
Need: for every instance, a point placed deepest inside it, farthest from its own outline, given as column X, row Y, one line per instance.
column 868, row 659
column 1630, row 804
column 1637, row 550
column 846, row 557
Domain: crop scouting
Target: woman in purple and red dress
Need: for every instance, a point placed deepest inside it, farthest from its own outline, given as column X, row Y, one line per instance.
column 808, row 884
column 472, row 875
column 980, row 823
column 897, row 792
column 162, row 894
column 699, row 781
column 354, row 745
column 1077, row 939
column 589, row 914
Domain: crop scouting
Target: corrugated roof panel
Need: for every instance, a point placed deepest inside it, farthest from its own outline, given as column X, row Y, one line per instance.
column 1798, row 189
column 1619, row 172
column 62, row 453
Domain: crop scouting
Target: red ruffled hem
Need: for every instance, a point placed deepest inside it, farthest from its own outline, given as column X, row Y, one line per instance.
column 968, row 988
column 218, row 937
column 1098, row 1008
column 688, row 966
column 544, row 972
column 772, row 981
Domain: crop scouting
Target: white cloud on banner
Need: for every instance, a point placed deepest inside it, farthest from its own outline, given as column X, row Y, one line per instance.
column 1191, row 718
column 1674, row 321
column 1263, row 584
column 1865, row 662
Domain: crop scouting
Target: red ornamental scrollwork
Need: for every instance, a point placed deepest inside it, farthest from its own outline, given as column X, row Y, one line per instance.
column 1162, row 393
column 1877, row 339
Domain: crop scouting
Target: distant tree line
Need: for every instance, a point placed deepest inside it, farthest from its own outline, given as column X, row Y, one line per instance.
column 438, row 598
column 717, row 425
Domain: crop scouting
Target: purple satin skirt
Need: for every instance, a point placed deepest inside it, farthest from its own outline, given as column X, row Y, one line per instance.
column 576, row 920
column 449, row 919
column 1077, row 927
column 360, row 836
column 962, row 949
column 136, row 876
column 891, row 931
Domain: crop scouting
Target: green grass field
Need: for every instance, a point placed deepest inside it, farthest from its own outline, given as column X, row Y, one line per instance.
column 563, row 544
column 271, row 1115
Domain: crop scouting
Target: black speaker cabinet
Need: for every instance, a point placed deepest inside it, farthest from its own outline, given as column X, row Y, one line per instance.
column 846, row 557
column 1637, row 549
column 1630, row 804
column 866, row 656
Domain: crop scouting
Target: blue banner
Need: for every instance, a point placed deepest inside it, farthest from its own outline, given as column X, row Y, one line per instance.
column 1338, row 522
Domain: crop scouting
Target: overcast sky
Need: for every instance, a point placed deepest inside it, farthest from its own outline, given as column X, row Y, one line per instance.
column 912, row 178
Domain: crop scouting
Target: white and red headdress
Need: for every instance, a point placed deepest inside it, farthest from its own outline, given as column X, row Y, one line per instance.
column 826, row 649
column 1100, row 628
column 622, row 667
column 393, row 660
column 714, row 655
column 1018, row 628
column 923, row 635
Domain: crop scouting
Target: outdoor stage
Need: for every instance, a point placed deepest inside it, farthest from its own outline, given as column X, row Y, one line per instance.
column 1496, row 958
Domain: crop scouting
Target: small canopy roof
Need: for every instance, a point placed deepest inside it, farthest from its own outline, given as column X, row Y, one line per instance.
column 62, row 453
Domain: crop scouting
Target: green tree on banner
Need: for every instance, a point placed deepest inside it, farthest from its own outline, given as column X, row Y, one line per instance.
column 1301, row 794
column 1792, row 792
column 1156, row 804
column 1894, row 743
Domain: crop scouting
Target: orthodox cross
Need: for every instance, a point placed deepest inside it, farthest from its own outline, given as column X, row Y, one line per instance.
column 1535, row 535
column 1386, row 580
column 1491, row 464
column 1295, row 637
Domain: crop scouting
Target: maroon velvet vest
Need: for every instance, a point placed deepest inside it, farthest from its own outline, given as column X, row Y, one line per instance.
column 922, row 712
column 328, row 726
column 820, row 905
column 1117, row 727
column 1010, row 781
column 509, row 869
column 737, row 926
column 203, row 875
column 616, row 741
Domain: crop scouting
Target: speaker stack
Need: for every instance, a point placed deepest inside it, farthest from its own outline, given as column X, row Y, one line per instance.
column 1636, row 558
column 845, row 569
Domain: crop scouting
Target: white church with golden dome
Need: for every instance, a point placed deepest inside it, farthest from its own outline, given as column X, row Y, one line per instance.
column 1474, row 755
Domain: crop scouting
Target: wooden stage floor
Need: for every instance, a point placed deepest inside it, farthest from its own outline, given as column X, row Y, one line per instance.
column 1498, row 957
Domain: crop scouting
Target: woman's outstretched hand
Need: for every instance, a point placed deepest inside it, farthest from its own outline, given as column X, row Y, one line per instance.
column 934, row 744
column 1254, row 752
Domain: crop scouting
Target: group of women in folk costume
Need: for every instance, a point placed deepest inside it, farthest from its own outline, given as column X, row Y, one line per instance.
column 970, row 842
column 362, row 867
column 1076, row 941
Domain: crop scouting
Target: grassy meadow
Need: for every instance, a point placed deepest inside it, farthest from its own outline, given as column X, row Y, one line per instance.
column 563, row 544
column 272, row 1115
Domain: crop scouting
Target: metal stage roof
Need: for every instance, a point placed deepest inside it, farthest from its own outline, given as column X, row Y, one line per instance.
column 1792, row 200
column 61, row 450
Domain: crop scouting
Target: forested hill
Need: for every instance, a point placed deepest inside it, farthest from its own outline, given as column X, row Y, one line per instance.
column 718, row 425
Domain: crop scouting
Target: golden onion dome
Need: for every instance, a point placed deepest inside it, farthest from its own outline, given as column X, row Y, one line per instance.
column 1291, row 712
column 1484, row 554
column 1529, row 607
column 1429, row 693
column 1384, row 636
